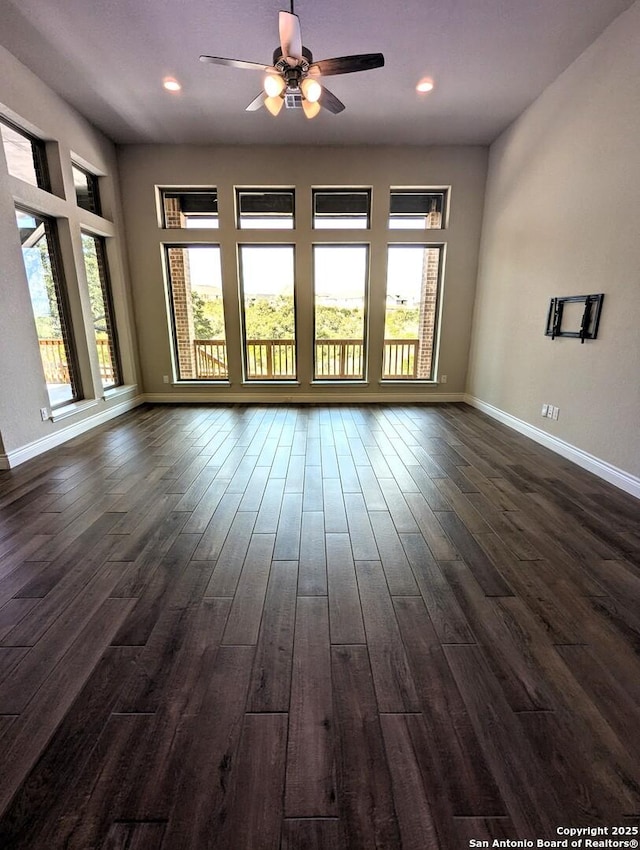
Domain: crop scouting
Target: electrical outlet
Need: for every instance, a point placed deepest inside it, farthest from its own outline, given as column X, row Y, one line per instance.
column 443, row 379
column 44, row 414
column 545, row 408
column 550, row 410
column 165, row 379
column 556, row 412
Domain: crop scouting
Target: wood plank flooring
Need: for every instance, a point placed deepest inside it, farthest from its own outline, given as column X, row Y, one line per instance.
column 299, row 628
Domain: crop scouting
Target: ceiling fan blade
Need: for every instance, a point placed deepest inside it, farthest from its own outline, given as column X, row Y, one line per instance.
column 346, row 64
column 237, row 63
column 290, row 35
column 256, row 103
column 329, row 101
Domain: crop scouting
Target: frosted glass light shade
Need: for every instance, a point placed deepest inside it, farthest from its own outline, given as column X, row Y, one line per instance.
column 311, row 89
column 273, row 85
column 310, row 109
column 274, row 104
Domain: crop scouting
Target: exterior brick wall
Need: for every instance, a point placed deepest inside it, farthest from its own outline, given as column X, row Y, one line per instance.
column 428, row 302
column 181, row 294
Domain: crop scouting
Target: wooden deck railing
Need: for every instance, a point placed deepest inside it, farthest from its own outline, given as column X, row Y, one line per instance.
column 339, row 358
column 211, row 358
column 400, row 358
column 54, row 360
column 273, row 359
column 56, row 367
column 269, row 359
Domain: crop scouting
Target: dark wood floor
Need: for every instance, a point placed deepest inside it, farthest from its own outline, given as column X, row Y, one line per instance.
column 314, row 627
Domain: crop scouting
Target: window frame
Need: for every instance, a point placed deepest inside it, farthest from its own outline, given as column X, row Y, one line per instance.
column 38, row 155
column 175, row 350
column 100, row 243
column 93, row 187
column 437, row 310
column 293, row 379
column 165, row 191
column 62, row 300
column 363, row 379
column 336, row 190
column 265, row 190
column 435, row 191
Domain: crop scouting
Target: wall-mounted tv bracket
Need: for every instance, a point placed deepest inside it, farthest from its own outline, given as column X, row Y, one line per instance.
column 589, row 321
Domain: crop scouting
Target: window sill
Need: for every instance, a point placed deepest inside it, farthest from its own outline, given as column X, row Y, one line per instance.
column 116, row 392
column 331, row 382
column 281, row 382
column 203, row 382
column 399, row 382
column 71, row 409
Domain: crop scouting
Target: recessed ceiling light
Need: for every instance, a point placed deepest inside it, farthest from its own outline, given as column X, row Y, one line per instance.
column 171, row 85
column 426, row 84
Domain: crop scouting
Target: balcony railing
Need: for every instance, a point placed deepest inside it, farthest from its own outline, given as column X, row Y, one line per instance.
column 275, row 359
column 267, row 359
column 211, row 358
column 339, row 358
column 400, row 358
column 56, row 367
column 54, row 361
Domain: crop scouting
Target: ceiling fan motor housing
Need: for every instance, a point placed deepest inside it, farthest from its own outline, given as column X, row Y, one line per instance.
column 280, row 62
column 292, row 75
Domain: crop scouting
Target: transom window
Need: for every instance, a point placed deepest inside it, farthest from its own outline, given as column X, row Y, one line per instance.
column 262, row 209
column 86, row 186
column 25, row 155
column 344, row 208
column 190, row 208
column 416, row 209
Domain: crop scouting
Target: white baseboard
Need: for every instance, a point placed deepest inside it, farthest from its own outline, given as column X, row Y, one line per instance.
column 618, row 477
column 57, row 438
column 341, row 397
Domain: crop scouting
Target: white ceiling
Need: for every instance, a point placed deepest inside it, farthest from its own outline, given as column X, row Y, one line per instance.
column 489, row 59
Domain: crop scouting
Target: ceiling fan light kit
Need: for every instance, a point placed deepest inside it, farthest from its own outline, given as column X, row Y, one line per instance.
column 311, row 89
column 311, row 108
column 273, row 104
column 273, row 86
column 292, row 80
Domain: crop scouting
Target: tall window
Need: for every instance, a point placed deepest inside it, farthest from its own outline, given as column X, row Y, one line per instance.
column 340, row 296
column 413, row 281
column 195, row 290
column 50, row 310
column 190, row 208
column 95, row 263
column 268, row 307
column 25, row 155
column 86, row 186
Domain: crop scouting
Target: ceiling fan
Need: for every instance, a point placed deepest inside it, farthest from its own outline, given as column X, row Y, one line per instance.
column 292, row 80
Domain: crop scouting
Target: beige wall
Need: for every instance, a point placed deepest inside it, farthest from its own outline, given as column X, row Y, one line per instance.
column 29, row 103
column 145, row 167
column 561, row 218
